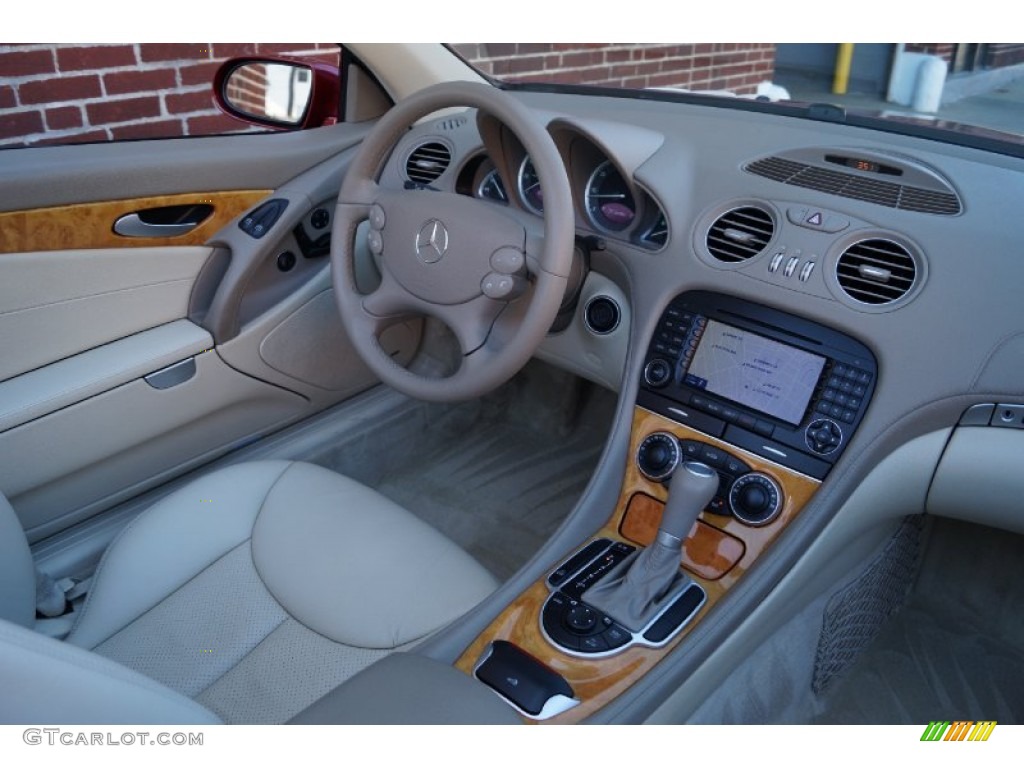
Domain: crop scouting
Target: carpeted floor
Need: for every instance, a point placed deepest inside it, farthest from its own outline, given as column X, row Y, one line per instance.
column 496, row 475
column 956, row 649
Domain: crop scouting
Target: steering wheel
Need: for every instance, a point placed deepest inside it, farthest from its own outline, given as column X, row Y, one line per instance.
column 494, row 275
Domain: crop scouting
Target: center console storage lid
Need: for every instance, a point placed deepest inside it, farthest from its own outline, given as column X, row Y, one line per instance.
column 407, row 689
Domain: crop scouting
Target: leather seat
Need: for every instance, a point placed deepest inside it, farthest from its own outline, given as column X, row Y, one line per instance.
column 252, row 591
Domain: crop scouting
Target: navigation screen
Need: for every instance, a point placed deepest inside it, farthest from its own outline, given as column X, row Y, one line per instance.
column 759, row 373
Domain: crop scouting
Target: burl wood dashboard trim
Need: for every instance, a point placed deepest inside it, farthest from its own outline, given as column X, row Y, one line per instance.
column 91, row 225
column 597, row 682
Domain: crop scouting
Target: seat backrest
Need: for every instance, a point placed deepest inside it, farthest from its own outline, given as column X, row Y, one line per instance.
column 17, row 573
column 48, row 681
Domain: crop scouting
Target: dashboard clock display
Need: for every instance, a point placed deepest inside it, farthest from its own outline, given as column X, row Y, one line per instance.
column 609, row 202
column 529, row 187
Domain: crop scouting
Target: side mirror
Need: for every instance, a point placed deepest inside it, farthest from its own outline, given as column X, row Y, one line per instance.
column 278, row 93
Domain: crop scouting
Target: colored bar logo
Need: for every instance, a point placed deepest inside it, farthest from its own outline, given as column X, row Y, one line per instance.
column 960, row 730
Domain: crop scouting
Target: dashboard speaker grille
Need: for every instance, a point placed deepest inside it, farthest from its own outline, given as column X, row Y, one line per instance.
column 902, row 196
column 740, row 234
column 427, row 162
column 876, row 271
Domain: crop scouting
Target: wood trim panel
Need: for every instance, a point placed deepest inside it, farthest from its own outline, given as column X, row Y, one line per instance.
column 91, row 225
column 708, row 551
column 598, row 682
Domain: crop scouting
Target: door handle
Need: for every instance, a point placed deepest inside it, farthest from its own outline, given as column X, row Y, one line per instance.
column 164, row 221
column 131, row 225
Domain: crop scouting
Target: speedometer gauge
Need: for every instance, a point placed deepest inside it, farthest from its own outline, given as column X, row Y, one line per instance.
column 608, row 200
column 529, row 187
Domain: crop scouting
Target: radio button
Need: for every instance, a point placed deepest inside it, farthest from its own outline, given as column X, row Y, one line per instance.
column 747, row 422
column 658, row 372
column 715, row 409
column 730, row 414
column 764, row 428
column 823, row 436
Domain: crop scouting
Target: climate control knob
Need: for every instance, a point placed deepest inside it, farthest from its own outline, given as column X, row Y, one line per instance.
column 755, row 499
column 658, row 456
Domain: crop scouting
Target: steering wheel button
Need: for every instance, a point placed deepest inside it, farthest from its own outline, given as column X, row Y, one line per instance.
column 508, row 261
column 375, row 243
column 377, row 217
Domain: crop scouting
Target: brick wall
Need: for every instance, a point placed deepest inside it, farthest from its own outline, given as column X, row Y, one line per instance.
column 1005, row 54
column 942, row 50
column 58, row 94
column 737, row 67
column 247, row 88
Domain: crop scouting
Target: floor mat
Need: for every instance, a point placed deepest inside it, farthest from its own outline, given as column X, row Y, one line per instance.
column 496, row 475
column 956, row 650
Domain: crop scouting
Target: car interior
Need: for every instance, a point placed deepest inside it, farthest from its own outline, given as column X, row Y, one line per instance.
column 514, row 404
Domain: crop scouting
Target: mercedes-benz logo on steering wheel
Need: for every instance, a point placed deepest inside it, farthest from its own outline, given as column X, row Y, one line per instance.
column 432, row 241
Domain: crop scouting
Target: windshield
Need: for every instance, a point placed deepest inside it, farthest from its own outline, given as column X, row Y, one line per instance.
column 954, row 87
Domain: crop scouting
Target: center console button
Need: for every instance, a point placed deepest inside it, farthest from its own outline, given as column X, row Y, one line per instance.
column 593, row 644
column 581, row 618
column 713, row 457
column 691, row 449
column 734, row 466
column 616, row 636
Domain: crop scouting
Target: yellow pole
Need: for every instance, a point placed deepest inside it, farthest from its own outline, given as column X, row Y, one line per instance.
column 844, row 56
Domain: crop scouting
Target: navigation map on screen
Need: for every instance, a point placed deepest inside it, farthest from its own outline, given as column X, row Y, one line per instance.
column 759, row 373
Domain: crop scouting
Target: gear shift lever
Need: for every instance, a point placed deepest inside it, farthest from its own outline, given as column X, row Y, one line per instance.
column 635, row 591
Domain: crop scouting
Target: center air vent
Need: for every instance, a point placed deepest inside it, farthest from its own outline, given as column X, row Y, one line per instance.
column 876, row 271
column 427, row 162
column 740, row 234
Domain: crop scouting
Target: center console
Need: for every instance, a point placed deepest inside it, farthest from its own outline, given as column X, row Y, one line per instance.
column 766, row 401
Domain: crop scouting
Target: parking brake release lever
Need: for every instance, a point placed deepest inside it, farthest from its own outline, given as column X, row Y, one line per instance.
column 640, row 586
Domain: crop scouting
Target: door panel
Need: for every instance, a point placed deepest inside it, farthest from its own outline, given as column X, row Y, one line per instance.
column 59, row 469
column 84, row 429
column 79, row 377
column 59, row 303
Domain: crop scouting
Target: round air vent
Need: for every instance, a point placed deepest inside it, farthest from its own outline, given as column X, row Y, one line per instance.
column 427, row 162
column 876, row 271
column 740, row 234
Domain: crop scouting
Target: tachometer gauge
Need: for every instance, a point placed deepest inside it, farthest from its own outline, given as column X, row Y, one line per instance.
column 491, row 187
column 608, row 200
column 529, row 187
